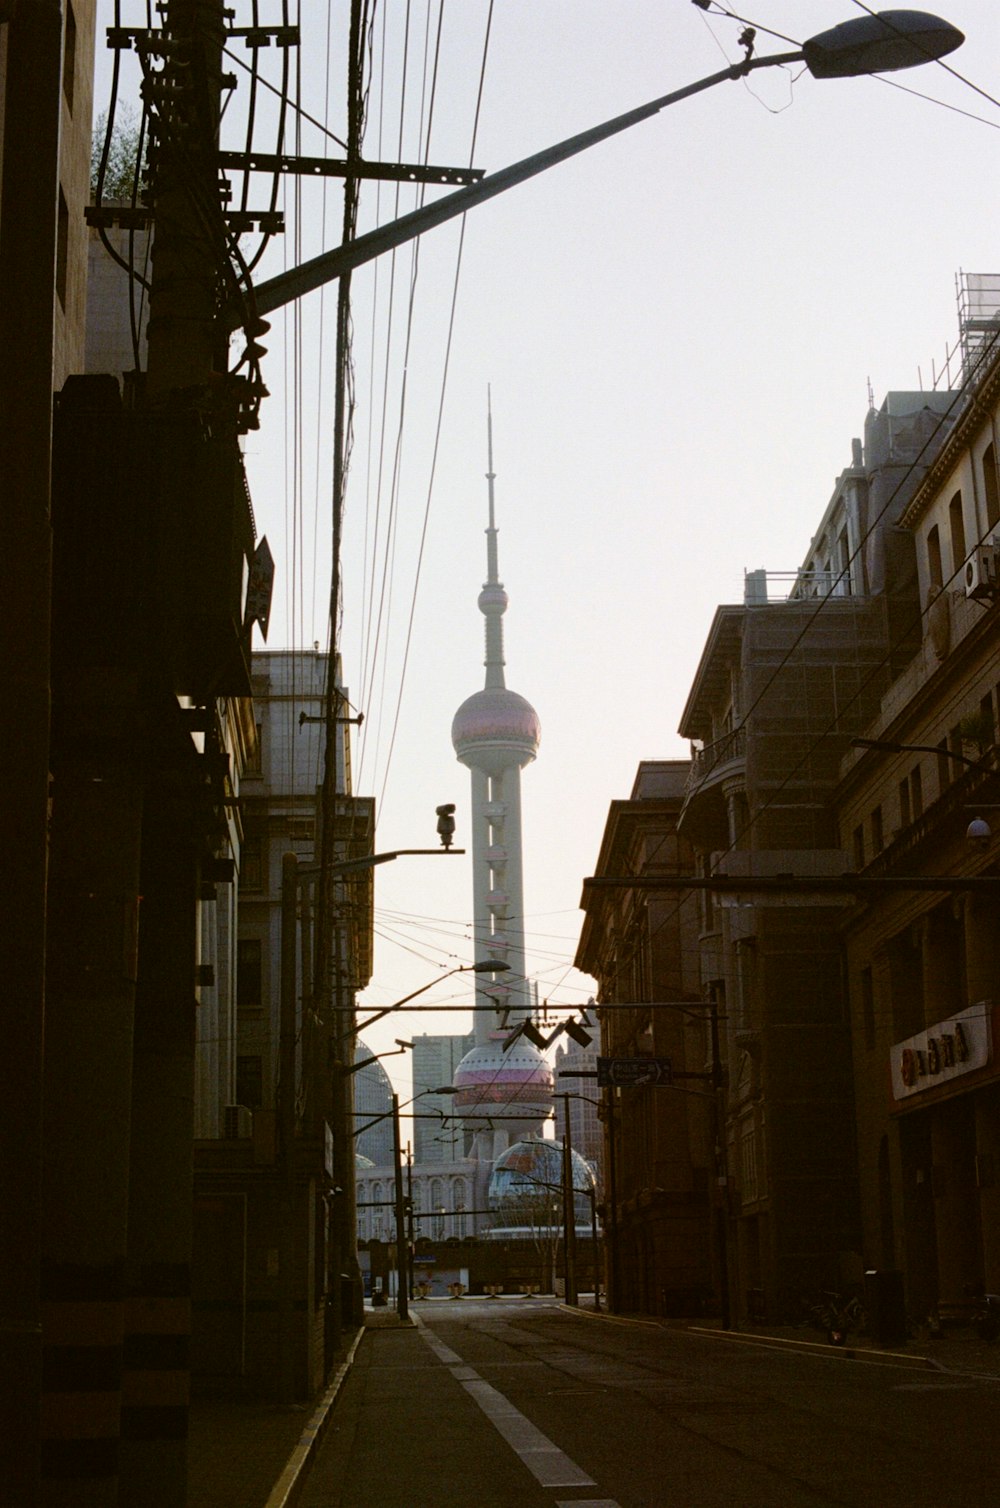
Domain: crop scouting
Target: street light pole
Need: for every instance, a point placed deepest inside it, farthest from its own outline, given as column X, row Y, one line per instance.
column 613, row 1296
column 402, row 1265
column 864, row 45
column 569, row 1212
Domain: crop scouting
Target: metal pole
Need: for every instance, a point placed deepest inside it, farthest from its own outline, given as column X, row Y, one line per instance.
column 410, row 1234
column 593, row 1237
column 722, row 1171
column 569, row 1214
column 613, row 1294
column 402, row 1280
column 286, row 1125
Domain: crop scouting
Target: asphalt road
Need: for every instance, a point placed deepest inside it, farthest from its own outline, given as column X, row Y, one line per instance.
column 492, row 1404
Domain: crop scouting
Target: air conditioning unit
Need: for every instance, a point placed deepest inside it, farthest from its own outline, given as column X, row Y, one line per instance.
column 237, row 1122
column 981, row 572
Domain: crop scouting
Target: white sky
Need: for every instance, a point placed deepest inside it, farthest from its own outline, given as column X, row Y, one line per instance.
column 679, row 328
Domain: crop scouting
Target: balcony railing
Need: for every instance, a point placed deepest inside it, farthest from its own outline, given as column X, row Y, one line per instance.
column 721, row 751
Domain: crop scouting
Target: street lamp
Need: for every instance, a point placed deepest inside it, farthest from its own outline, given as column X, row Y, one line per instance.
column 403, row 1253
column 979, row 833
column 481, row 966
column 611, row 1223
column 864, row 45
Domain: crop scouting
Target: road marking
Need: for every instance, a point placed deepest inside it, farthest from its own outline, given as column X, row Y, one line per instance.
column 589, row 1503
column 550, row 1466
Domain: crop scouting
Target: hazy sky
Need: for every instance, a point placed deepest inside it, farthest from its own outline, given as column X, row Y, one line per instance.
column 679, row 329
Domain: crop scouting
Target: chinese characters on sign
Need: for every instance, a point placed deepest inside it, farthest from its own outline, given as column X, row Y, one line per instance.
column 945, row 1051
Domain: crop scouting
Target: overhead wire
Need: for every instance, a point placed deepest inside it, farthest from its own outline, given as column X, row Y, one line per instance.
column 439, row 419
column 376, row 703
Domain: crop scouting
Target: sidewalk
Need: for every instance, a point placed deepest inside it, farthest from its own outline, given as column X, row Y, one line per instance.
column 959, row 1351
column 245, row 1454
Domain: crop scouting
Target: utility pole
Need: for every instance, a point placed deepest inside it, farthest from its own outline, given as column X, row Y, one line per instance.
column 612, row 1204
column 721, row 1168
column 286, row 1131
column 410, row 1229
column 569, row 1210
column 402, row 1266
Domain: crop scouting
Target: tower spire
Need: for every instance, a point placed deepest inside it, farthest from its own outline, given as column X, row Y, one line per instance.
column 492, row 598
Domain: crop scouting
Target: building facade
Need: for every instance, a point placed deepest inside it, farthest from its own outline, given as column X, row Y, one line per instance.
column 270, row 1185
column 923, row 966
column 435, row 1059
column 642, row 949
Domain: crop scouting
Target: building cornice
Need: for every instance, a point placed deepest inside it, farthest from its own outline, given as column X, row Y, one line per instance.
column 979, row 406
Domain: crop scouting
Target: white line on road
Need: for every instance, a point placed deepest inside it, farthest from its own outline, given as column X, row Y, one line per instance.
column 547, row 1463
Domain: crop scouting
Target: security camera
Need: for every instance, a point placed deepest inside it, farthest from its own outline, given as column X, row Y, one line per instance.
column 979, row 833
column 446, row 823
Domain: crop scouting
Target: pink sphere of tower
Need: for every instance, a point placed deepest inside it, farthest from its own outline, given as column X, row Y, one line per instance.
column 514, row 1088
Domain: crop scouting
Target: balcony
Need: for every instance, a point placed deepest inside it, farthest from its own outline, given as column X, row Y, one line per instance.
column 703, row 816
column 730, row 749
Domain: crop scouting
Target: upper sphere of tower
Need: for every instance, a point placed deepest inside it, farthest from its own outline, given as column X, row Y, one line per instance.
column 493, row 598
column 496, row 729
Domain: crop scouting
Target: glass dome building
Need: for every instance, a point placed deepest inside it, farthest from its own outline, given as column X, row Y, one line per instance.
column 526, row 1188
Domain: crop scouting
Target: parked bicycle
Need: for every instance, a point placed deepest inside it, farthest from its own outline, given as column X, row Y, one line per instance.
column 836, row 1315
column 986, row 1317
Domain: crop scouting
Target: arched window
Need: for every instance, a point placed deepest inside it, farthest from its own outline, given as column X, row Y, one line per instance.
column 438, row 1208
column 934, row 566
column 458, row 1202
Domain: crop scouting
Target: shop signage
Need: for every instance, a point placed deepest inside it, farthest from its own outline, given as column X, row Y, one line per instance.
column 630, row 1072
column 943, row 1052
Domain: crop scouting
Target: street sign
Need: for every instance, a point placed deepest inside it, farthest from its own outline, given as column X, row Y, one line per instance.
column 261, row 585
column 629, row 1072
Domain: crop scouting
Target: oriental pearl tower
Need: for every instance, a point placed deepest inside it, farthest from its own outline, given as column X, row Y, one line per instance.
column 501, row 1095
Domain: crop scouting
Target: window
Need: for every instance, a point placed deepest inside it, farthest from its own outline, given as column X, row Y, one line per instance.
column 904, row 802
column 250, row 1081
column 748, row 1162
column 868, row 1007
column 878, row 837
column 956, row 524
column 70, row 56
column 916, row 792
column 934, row 567
column 252, row 862
column 249, row 972
column 943, row 770
column 991, row 487
column 746, row 966
column 844, row 583
column 254, row 761
column 62, row 248
column 859, row 847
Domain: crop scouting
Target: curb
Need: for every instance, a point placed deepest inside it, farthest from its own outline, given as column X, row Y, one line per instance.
column 817, row 1348
column 285, row 1492
column 778, row 1342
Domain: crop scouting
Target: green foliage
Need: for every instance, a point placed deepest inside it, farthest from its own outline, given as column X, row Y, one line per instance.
column 123, row 153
